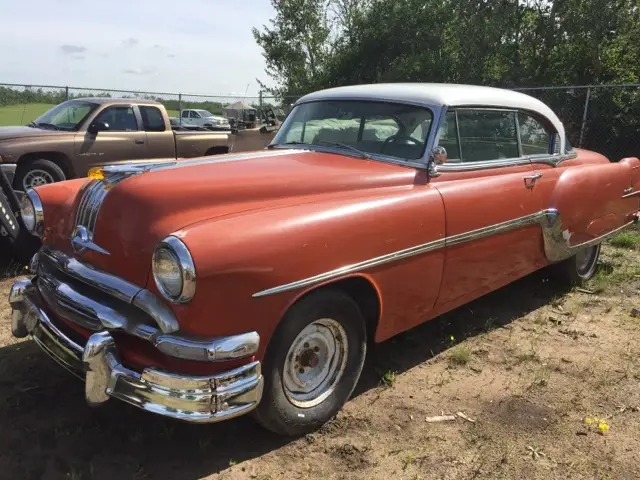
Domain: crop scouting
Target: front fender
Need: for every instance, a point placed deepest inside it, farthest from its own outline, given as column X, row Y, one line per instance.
column 241, row 256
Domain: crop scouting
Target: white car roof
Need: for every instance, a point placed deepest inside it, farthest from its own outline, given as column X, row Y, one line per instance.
column 440, row 94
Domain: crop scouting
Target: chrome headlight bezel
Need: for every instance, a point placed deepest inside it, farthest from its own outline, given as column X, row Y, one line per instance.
column 32, row 213
column 184, row 261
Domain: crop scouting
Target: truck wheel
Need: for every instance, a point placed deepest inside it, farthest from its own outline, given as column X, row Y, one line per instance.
column 312, row 363
column 579, row 268
column 37, row 172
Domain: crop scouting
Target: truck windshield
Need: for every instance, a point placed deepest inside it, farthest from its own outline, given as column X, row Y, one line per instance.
column 66, row 116
column 389, row 129
column 205, row 113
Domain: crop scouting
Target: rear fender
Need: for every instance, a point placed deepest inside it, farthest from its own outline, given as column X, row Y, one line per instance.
column 591, row 202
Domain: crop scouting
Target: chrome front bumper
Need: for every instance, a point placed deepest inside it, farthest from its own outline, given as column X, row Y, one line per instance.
column 193, row 399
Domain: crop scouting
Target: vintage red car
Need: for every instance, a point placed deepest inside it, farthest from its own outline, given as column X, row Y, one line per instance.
column 209, row 288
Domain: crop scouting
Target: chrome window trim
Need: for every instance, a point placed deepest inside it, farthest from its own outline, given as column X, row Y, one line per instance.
column 552, row 159
column 556, row 247
column 187, row 269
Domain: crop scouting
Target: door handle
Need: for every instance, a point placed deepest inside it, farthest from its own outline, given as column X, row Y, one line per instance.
column 139, row 142
column 530, row 180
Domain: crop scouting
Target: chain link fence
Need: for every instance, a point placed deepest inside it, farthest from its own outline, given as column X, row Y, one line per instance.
column 21, row 104
column 603, row 118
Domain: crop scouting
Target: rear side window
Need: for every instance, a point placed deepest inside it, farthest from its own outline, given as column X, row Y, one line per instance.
column 152, row 119
column 487, row 135
column 534, row 136
column 185, row 114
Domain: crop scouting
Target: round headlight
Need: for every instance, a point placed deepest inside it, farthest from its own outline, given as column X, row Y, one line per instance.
column 174, row 271
column 32, row 213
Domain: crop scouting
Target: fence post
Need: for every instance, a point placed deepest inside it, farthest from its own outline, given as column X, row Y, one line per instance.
column 180, row 108
column 584, row 116
column 66, row 93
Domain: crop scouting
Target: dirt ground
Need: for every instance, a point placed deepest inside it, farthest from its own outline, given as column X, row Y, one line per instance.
column 530, row 364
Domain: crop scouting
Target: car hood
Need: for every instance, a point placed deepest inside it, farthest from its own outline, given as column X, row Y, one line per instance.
column 7, row 133
column 141, row 210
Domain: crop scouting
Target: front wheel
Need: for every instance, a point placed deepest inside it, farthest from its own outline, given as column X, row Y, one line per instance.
column 312, row 363
column 36, row 173
column 579, row 268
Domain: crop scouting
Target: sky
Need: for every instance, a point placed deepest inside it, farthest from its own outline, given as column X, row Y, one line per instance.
column 190, row 46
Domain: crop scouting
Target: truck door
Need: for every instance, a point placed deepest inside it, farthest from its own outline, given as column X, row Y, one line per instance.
column 491, row 229
column 160, row 140
column 123, row 139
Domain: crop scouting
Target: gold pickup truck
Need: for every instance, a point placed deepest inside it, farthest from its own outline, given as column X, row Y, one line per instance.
column 76, row 135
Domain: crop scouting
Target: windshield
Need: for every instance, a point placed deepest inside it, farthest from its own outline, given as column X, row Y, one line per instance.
column 205, row 113
column 390, row 129
column 66, row 116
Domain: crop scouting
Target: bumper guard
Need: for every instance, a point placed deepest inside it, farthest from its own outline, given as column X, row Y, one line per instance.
column 193, row 399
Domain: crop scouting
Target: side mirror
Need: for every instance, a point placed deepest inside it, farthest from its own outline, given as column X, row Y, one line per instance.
column 96, row 127
column 437, row 157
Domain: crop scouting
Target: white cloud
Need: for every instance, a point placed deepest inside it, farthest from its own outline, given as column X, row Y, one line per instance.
column 200, row 46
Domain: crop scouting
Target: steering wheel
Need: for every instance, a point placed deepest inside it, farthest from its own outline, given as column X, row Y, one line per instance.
column 397, row 137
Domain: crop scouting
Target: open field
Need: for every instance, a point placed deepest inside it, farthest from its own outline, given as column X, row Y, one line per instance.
column 528, row 363
column 24, row 113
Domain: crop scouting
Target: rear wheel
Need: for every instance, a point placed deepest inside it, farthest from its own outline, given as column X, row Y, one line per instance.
column 312, row 363
column 579, row 268
column 36, row 173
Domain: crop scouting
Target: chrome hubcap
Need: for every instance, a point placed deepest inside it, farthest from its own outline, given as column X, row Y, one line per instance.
column 35, row 178
column 315, row 363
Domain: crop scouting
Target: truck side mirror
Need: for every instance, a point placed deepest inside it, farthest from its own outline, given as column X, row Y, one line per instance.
column 98, row 126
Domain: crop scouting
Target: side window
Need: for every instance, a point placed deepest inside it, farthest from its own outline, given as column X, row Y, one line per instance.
column 185, row 114
column 448, row 136
column 193, row 114
column 535, row 138
column 487, row 135
column 119, row 118
column 152, row 119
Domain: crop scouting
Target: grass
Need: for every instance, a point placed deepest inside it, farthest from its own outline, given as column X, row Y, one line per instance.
column 22, row 114
column 388, row 378
column 460, row 356
column 629, row 239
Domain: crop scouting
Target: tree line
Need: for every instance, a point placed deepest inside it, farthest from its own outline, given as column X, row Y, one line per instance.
column 314, row 44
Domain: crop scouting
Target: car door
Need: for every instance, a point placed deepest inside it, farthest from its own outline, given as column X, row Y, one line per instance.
column 492, row 231
column 123, row 140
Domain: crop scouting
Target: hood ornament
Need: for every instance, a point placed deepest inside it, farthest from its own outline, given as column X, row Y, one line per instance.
column 80, row 241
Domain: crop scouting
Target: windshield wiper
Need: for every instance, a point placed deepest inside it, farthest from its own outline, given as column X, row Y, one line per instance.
column 44, row 125
column 274, row 145
column 348, row 147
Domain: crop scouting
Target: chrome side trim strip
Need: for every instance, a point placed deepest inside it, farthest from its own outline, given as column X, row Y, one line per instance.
column 374, row 262
column 556, row 246
column 631, row 193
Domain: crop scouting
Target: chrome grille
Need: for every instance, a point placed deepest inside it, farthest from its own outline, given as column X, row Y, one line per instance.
column 93, row 196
